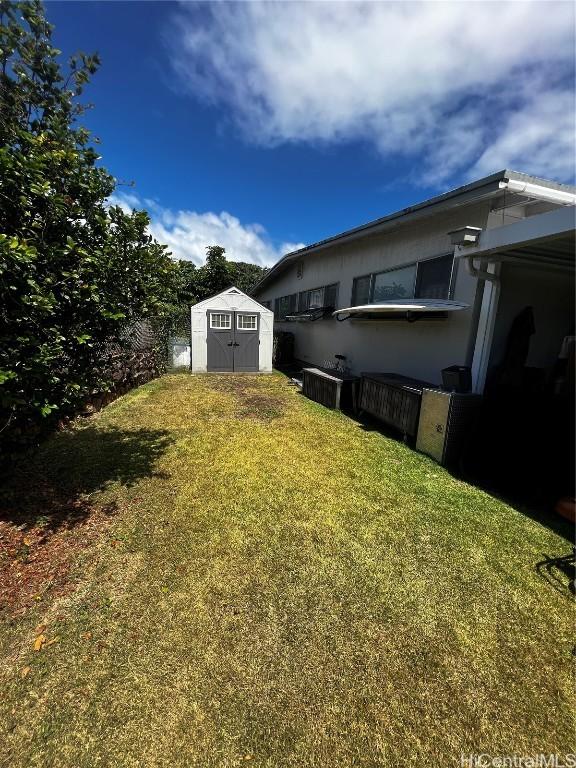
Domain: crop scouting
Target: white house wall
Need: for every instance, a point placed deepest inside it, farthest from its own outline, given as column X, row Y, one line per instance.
column 551, row 295
column 420, row 349
column 230, row 302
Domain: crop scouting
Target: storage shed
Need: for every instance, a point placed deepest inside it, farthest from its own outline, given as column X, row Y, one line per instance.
column 231, row 333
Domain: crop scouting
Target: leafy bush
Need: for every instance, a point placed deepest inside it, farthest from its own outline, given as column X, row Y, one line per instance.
column 74, row 272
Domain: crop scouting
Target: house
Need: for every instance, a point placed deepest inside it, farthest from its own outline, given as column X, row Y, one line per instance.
column 488, row 250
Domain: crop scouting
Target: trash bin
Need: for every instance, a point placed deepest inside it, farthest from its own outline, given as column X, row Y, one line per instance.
column 457, row 378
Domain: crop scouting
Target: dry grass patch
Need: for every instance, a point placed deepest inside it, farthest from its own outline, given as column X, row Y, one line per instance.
column 285, row 590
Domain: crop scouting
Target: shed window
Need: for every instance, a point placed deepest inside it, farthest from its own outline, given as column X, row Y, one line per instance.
column 222, row 321
column 247, row 322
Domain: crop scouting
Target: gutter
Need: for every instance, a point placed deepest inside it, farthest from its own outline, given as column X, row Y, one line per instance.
column 481, row 274
column 539, row 192
column 473, row 192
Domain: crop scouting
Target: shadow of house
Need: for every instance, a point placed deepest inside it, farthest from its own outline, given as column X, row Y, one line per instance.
column 53, row 486
column 532, row 497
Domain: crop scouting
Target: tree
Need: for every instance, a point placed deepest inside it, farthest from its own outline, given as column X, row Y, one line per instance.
column 73, row 271
column 244, row 275
column 199, row 283
column 186, row 284
column 214, row 276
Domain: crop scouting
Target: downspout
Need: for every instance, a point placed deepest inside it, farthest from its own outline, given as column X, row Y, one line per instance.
column 482, row 311
column 481, row 274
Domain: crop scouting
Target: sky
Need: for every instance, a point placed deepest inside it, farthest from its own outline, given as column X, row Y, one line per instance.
column 265, row 126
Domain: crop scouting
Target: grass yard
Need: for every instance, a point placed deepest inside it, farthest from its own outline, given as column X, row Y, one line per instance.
column 234, row 575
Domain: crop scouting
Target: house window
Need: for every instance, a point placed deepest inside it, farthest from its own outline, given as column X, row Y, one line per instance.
column 434, row 278
column 361, row 291
column 220, row 321
column 395, row 284
column 285, row 305
column 247, row 322
column 428, row 279
column 317, row 298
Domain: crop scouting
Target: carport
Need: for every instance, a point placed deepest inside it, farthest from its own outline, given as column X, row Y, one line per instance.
column 523, row 360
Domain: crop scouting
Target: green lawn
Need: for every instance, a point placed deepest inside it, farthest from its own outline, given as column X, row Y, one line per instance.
column 259, row 581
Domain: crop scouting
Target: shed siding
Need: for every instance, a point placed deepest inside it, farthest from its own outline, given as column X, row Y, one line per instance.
column 231, row 302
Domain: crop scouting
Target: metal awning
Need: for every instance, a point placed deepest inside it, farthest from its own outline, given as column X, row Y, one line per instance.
column 308, row 315
column 403, row 309
column 547, row 239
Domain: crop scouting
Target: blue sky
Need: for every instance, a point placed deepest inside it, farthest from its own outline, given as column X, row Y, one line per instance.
column 264, row 126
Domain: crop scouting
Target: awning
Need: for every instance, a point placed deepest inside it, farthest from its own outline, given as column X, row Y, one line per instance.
column 314, row 313
column 546, row 239
column 403, row 309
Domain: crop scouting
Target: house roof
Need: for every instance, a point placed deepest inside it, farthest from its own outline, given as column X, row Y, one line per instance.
column 489, row 186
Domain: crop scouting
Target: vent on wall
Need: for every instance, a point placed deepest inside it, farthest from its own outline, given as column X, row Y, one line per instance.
column 300, row 268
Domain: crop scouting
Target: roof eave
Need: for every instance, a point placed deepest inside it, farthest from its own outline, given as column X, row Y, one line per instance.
column 475, row 191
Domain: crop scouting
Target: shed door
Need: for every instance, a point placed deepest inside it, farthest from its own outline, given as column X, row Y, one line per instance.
column 246, row 341
column 220, row 340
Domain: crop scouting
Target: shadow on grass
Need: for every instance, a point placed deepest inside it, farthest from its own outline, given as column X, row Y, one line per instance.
column 528, row 497
column 52, row 488
column 559, row 572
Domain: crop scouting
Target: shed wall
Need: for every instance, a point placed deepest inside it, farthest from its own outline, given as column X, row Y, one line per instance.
column 230, row 302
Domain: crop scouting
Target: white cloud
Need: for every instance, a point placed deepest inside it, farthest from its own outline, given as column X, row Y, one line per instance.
column 187, row 233
column 441, row 82
column 540, row 133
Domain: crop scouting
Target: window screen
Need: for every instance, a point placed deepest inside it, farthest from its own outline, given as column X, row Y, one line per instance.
column 220, row 321
column 395, row 284
column 247, row 322
column 434, row 278
column 361, row 291
column 331, row 295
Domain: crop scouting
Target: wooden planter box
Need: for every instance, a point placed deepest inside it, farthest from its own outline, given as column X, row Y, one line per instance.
column 330, row 388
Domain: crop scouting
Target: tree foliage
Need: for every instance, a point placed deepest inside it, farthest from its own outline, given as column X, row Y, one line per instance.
column 199, row 283
column 73, row 271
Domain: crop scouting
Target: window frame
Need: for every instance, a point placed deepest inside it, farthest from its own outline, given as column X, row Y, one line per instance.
column 278, row 315
column 243, row 316
column 227, row 315
column 323, row 288
column 373, row 275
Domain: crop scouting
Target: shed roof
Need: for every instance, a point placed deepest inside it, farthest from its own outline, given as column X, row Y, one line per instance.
column 229, row 294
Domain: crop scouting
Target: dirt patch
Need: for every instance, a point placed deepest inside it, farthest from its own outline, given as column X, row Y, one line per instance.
column 41, row 535
column 258, row 406
column 253, row 403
